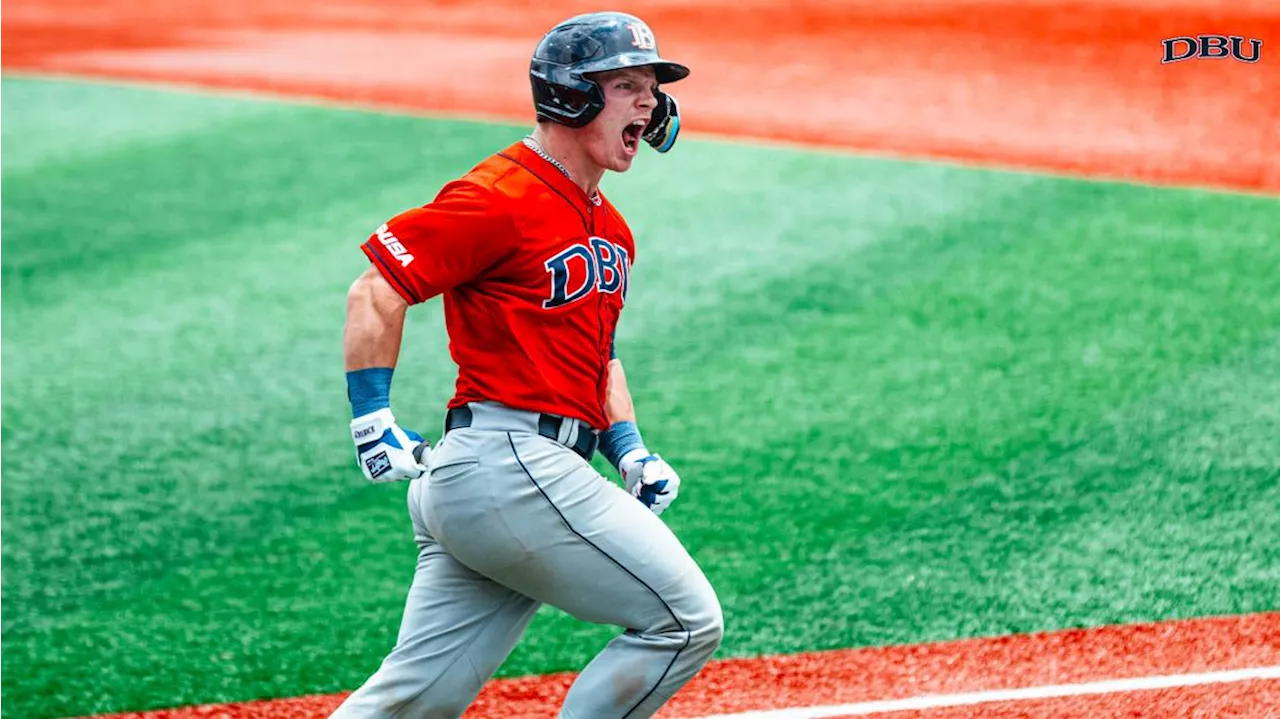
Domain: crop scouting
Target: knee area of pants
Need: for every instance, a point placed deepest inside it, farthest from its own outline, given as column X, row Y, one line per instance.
column 708, row 628
column 713, row 631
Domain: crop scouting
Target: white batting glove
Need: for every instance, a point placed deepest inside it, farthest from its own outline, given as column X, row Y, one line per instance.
column 649, row 479
column 384, row 450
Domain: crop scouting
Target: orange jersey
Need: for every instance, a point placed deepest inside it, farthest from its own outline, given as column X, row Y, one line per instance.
column 534, row 275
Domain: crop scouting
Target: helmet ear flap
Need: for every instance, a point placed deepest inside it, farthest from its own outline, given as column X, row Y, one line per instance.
column 571, row 106
column 569, row 100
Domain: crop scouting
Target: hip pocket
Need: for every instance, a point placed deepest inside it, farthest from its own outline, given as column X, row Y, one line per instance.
column 454, row 470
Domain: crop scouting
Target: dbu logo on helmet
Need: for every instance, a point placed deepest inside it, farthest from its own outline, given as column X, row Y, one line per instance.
column 599, row 265
column 642, row 36
column 1177, row 49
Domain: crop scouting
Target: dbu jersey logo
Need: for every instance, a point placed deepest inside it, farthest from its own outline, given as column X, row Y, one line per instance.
column 1177, row 49
column 598, row 265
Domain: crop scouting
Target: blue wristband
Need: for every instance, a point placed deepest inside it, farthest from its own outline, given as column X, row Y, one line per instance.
column 369, row 390
column 619, row 439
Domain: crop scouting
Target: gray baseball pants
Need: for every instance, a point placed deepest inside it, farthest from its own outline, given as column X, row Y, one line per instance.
column 508, row 520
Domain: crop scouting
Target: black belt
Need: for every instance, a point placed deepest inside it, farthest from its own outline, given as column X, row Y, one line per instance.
column 548, row 426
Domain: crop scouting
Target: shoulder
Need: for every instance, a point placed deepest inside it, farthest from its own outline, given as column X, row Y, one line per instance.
column 496, row 180
column 467, row 205
column 484, row 190
column 480, row 183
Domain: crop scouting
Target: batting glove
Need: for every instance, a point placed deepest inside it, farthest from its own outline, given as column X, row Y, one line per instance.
column 384, row 450
column 649, row 479
column 664, row 125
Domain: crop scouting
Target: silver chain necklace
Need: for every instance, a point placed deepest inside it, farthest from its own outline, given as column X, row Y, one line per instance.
column 533, row 144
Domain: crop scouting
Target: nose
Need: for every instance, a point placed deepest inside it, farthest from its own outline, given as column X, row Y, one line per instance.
column 648, row 99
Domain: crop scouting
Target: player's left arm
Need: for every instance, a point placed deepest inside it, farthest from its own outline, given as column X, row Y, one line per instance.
column 646, row 475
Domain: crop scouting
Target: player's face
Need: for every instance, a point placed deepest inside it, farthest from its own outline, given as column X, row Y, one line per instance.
column 613, row 138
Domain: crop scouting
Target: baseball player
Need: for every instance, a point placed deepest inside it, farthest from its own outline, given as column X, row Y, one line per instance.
column 533, row 264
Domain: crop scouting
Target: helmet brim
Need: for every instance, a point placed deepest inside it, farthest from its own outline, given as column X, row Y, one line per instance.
column 664, row 70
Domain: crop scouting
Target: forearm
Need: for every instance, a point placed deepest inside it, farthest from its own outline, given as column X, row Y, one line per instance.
column 375, row 323
column 618, row 406
column 645, row 475
column 385, row 451
column 622, row 437
column 371, row 342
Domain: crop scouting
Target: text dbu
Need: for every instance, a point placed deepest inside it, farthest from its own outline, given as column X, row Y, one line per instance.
column 577, row 271
column 1177, row 49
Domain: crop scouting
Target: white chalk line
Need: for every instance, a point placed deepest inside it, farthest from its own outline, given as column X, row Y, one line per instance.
column 1048, row 691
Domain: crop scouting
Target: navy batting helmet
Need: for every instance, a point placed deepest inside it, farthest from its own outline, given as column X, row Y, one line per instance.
column 596, row 42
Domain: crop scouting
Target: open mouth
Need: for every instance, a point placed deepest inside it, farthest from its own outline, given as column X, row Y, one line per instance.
column 631, row 136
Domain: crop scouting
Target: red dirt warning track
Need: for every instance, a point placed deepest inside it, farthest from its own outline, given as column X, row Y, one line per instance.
column 861, row 675
column 1066, row 85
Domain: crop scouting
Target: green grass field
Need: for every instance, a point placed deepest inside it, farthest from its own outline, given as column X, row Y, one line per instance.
column 909, row 402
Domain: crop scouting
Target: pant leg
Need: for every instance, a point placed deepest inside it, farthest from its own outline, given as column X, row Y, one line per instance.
column 561, row 533
column 458, row 627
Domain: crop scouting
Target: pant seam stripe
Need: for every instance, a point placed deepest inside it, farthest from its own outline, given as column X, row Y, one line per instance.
column 688, row 636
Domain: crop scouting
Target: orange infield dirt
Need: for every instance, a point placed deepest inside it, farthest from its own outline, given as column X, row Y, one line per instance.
column 1075, row 656
column 1073, row 86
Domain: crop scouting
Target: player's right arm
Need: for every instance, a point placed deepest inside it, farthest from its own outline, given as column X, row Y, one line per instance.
column 413, row 257
column 375, row 322
column 370, row 347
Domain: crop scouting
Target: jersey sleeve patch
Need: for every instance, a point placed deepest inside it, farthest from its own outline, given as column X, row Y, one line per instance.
column 393, row 278
column 454, row 240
